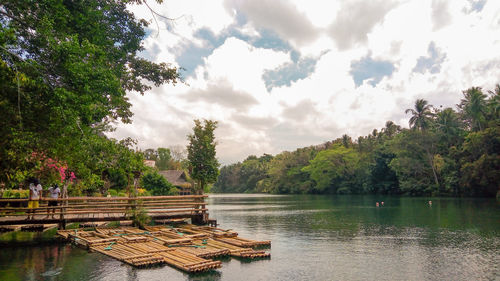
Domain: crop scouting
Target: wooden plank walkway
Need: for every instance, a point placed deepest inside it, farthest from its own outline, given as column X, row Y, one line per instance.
column 99, row 209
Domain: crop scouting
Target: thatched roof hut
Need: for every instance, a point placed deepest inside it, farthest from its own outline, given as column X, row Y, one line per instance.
column 178, row 179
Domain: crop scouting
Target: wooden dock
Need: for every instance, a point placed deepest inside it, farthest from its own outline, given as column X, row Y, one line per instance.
column 103, row 209
column 187, row 248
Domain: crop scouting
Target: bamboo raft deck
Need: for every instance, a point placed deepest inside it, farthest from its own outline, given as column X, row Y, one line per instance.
column 213, row 238
column 188, row 248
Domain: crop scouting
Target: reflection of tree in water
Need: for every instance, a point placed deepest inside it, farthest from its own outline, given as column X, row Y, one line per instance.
column 131, row 274
column 47, row 262
column 42, row 261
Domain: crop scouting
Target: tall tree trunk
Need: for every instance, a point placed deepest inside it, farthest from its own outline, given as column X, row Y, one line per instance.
column 431, row 162
column 430, row 156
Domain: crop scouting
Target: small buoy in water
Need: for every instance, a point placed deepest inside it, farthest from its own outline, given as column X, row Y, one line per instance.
column 382, row 203
column 376, row 204
column 430, row 203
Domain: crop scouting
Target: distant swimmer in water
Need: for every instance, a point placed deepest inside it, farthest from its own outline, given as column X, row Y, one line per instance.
column 430, row 203
column 382, row 203
column 376, row 204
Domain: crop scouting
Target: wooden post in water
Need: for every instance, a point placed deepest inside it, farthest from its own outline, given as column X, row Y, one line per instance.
column 64, row 205
column 200, row 216
column 137, row 176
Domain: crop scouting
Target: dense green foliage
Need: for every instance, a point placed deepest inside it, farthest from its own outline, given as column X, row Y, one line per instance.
column 201, row 154
column 157, row 184
column 65, row 70
column 445, row 152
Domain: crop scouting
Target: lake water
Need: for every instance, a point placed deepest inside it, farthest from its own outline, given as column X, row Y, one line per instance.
column 313, row 238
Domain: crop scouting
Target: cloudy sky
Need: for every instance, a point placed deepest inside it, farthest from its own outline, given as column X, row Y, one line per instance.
column 279, row 75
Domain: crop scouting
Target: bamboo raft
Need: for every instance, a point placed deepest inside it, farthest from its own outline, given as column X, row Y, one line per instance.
column 212, row 231
column 241, row 242
column 128, row 254
column 234, row 251
column 212, row 238
column 226, row 236
column 188, row 248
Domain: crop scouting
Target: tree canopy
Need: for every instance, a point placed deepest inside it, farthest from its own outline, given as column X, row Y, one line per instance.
column 445, row 152
column 201, row 153
column 66, row 68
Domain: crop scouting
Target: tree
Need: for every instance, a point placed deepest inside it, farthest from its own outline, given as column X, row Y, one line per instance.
column 383, row 179
column 164, row 158
column 346, row 141
column 285, row 174
column 436, row 157
column 157, row 184
column 481, row 162
column 201, row 153
column 421, row 115
column 473, row 107
column 421, row 120
column 151, row 154
column 333, row 170
column 229, row 179
column 494, row 102
column 83, row 54
column 65, row 70
column 391, row 129
column 449, row 127
column 414, row 162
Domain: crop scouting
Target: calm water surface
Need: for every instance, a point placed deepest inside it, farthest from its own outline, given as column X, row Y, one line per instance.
column 313, row 238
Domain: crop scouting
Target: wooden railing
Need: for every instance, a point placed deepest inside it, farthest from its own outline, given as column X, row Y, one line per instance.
column 75, row 209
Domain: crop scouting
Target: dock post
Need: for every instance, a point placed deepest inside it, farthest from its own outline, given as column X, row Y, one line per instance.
column 62, row 224
column 200, row 218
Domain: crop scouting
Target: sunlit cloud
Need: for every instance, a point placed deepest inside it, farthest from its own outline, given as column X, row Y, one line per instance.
column 279, row 75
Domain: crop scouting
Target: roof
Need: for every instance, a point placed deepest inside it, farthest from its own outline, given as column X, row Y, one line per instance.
column 176, row 178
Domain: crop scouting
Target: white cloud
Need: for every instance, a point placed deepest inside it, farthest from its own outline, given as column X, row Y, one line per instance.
column 282, row 17
column 243, row 64
column 356, row 19
column 228, row 86
column 222, row 93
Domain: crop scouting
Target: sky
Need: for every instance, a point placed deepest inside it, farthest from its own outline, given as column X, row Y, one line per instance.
column 280, row 75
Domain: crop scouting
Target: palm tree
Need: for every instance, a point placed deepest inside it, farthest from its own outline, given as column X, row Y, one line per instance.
column 473, row 107
column 421, row 116
column 421, row 120
column 391, row 129
column 494, row 102
column 448, row 124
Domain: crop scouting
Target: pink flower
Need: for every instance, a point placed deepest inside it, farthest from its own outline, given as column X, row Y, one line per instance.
column 72, row 177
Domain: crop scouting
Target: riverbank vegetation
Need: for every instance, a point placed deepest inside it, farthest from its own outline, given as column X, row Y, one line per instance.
column 65, row 71
column 445, row 152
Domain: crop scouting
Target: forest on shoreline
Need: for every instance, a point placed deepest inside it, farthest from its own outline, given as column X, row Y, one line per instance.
column 445, row 152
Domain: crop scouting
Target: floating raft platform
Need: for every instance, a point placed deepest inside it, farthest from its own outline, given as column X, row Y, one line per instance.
column 188, row 248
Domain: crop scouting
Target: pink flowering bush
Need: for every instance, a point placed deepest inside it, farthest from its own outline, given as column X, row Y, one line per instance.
column 50, row 170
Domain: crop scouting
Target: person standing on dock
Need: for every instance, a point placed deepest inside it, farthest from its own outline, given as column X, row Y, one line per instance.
column 34, row 197
column 54, row 193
